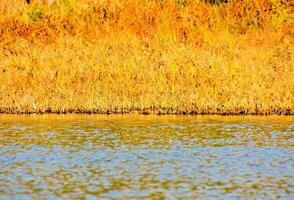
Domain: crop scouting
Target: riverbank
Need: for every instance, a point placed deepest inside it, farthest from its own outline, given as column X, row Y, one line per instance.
column 157, row 57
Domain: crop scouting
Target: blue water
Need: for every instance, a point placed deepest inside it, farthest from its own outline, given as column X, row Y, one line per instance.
column 151, row 158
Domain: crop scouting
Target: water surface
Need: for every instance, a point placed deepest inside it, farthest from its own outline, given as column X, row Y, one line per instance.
column 134, row 157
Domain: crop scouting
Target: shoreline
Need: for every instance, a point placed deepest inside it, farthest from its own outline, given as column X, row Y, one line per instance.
column 147, row 112
column 136, row 118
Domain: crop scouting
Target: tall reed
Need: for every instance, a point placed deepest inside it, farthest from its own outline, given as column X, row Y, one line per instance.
column 149, row 57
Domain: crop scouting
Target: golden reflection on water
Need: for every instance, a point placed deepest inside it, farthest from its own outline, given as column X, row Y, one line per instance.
column 135, row 156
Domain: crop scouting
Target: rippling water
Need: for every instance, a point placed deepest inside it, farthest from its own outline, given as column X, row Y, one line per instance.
column 123, row 157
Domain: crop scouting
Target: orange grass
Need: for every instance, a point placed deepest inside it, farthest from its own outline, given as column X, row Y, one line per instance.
column 148, row 57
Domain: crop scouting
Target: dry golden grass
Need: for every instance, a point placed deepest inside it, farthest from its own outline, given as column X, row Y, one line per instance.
column 152, row 57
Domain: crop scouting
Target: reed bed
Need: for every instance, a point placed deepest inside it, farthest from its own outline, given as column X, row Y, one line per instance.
column 155, row 56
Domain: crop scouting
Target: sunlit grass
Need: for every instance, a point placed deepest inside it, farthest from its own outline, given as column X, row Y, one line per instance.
column 155, row 56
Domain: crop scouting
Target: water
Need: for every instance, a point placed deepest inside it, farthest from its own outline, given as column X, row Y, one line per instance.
column 143, row 157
